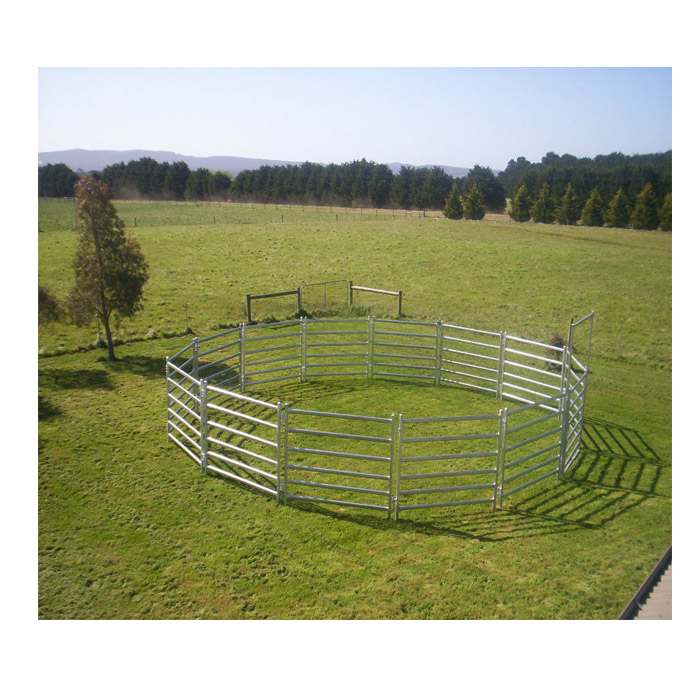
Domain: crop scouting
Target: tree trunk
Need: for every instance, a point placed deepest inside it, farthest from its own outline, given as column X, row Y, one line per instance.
column 108, row 333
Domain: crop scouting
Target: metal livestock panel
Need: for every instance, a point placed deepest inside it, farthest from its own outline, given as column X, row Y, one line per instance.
column 397, row 350
column 537, row 444
column 308, row 459
column 470, row 357
column 233, row 450
column 469, row 464
column 330, row 346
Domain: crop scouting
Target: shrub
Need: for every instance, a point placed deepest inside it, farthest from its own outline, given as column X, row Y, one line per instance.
column 666, row 213
column 617, row 214
column 569, row 210
column 520, row 205
column 473, row 204
column 543, row 208
column 645, row 216
column 453, row 205
column 593, row 210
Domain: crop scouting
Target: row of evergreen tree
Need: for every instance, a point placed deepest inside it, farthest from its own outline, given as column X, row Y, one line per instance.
column 606, row 174
column 570, row 181
column 644, row 212
column 359, row 183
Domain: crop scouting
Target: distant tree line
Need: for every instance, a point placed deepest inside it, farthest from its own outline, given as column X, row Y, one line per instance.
column 591, row 198
column 57, row 181
column 566, row 189
column 359, row 183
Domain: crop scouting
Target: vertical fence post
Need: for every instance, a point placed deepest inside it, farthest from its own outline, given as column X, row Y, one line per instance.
column 241, row 330
column 391, row 464
column 397, row 488
column 299, row 300
column 285, row 450
column 497, row 476
column 570, row 341
column 203, row 428
column 350, row 292
column 247, row 302
column 564, row 373
column 302, row 335
column 590, row 340
column 279, row 450
column 438, row 352
column 501, row 363
column 502, row 452
column 304, row 324
column 369, row 347
column 168, row 430
column 195, row 358
column 585, row 374
column 564, row 417
column 400, row 300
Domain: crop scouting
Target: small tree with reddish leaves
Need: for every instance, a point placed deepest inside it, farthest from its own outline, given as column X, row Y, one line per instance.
column 110, row 270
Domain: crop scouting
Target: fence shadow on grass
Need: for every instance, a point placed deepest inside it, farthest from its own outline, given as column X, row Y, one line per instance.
column 618, row 458
column 617, row 471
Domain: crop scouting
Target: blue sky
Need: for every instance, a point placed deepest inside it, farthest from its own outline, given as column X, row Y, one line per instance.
column 448, row 116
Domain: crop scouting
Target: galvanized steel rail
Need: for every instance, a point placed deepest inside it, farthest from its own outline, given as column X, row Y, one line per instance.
column 284, row 451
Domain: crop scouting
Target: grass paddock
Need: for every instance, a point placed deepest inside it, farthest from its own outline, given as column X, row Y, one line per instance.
column 130, row 528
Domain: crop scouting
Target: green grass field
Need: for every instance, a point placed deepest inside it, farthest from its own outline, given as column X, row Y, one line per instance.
column 129, row 527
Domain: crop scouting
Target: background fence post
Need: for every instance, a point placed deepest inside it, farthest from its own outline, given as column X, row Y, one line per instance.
column 203, row 418
column 400, row 300
column 350, row 293
column 247, row 301
column 241, row 330
column 299, row 300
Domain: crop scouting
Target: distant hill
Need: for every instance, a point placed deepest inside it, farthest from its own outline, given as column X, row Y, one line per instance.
column 451, row 170
column 86, row 160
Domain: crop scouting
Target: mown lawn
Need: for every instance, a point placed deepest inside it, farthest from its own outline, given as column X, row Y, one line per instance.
column 130, row 528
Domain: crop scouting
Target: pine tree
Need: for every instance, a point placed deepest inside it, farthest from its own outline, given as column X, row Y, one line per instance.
column 593, row 210
column 473, row 204
column 645, row 216
column 617, row 214
column 520, row 205
column 110, row 270
column 569, row 211
column 666, row 213
column 543, row 208
column 453, row 205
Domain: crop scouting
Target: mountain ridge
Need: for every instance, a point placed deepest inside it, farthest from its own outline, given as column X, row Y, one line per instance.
column 95, row 159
